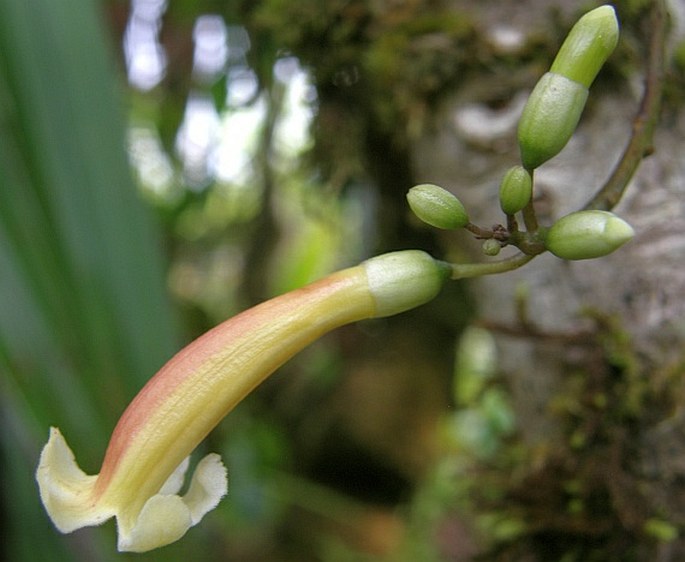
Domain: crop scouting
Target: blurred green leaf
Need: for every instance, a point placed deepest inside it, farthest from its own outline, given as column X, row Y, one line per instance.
column 84, row 316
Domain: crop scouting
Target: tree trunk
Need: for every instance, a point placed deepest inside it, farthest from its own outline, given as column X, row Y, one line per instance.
column 592, row 356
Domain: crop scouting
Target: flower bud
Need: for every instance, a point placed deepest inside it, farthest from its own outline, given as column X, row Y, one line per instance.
column 437, row 206
column 557, row 101
column 549, row 118
column 402, row 280
column 491, row 247
column 515, row 190
column 587, row 46
column 587, row 234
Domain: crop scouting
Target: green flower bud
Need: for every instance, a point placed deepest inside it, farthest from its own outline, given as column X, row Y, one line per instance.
column 557, row 101
column 491, row 247
column 587, row 234
column 587, row 46
column 437, row 206
column 549, row 118
column 402, row 280
column 515, row 190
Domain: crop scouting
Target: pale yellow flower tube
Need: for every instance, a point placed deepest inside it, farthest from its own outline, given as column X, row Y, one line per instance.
column 147, row 455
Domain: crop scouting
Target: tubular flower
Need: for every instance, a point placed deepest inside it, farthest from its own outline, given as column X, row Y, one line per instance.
column 147, row 456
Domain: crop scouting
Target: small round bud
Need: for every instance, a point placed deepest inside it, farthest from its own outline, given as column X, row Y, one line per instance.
column 491, row 247
column 587, row 234
column 515, row 190
column 549, row 118
column 402, row 280
column 588, row 45
column 437, row 206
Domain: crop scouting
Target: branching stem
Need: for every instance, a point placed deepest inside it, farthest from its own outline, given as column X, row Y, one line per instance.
column 530, row 219
column 465, row 270
column 640, row 144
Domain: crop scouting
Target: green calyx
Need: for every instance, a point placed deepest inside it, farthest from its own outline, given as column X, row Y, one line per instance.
column 549, row 118
column 437, row 206
column 587, row 234
column 403, row 280
column 588, row 45
column 515, row 190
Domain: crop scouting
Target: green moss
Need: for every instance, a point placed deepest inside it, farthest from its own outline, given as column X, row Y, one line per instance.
column 582, row 496
column 661, row 530
column 413, row 61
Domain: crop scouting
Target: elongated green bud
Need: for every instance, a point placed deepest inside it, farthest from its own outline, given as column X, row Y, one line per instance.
column 588, row 46
column 549, row 118
column 515, row 190
column 554, row 107
column 587, row 234
column 402, row 280
column 437, row 206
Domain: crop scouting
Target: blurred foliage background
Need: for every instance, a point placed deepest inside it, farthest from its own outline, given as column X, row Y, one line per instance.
column 165, row 165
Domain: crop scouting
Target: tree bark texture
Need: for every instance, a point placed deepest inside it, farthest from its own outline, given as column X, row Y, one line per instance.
column 470, row 144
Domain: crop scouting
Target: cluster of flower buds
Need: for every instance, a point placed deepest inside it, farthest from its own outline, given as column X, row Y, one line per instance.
column 549, row 118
